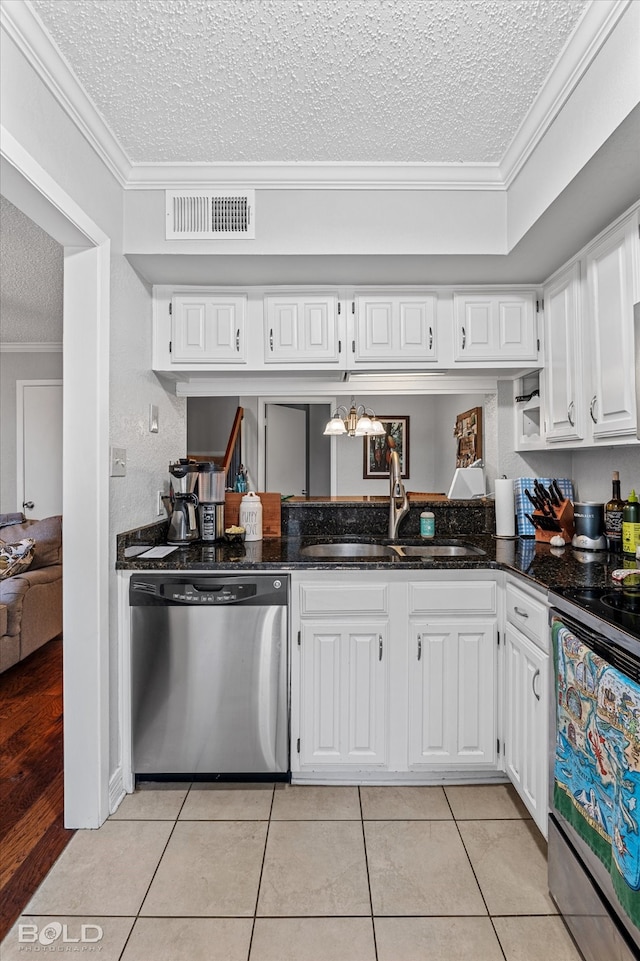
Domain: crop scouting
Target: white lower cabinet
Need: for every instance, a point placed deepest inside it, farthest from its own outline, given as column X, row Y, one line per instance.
column 344, row 684
column 452, row 693
column 394, row 675
column 526, row 678
column 525, row 722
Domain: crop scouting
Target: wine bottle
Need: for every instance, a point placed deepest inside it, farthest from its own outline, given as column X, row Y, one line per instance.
column 613, row 515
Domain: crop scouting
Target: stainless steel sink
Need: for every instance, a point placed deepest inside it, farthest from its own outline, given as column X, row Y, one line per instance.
column 439, row 550
column 354, row 549
column 348, row 549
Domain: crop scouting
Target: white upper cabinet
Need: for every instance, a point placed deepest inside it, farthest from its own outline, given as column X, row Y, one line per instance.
column 612, row 266
column 394, row 328
column 563, row 372
column 302, row 329
column 589, row 376
column 495, row 326
column 208, row 329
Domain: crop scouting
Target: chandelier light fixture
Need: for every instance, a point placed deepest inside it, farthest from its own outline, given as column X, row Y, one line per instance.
column 359, row 421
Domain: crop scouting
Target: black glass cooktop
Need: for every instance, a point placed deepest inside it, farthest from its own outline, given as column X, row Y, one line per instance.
column 615, row 605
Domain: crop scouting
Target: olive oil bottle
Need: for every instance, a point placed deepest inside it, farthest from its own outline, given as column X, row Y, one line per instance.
column 613, row 515
column 631, row 524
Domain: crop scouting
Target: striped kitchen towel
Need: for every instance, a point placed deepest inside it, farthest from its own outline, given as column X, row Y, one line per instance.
column 524, row 505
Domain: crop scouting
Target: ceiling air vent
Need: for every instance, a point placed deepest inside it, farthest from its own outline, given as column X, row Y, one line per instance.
column 197, row 215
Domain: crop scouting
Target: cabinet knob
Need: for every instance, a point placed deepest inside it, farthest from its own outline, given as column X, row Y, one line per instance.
column 464, row 338
column 271, row 339
column 28, row 505
column 570, row 410
column 238, row 339
column 592, row 406
column 520, row 613
column 419, row 646
column 430, row 337
column 379, row 647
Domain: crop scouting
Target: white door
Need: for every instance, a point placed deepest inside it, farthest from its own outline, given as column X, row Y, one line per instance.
column 39, row 447
column 286, row 449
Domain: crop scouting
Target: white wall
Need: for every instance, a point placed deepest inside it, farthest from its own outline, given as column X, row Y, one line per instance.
column 350, row 455
column 591, row 471
column 133, row 386
column 13, row 367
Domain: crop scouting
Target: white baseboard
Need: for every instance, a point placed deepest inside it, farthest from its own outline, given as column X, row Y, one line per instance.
column 116, row 790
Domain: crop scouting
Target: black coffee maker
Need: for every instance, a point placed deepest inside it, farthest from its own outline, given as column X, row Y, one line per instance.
column 183, row 521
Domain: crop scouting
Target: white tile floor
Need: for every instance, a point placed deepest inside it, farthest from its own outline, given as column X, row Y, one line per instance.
column 208, row 872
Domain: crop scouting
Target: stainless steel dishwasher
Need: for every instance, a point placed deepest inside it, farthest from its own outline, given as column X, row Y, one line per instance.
column 209, row 675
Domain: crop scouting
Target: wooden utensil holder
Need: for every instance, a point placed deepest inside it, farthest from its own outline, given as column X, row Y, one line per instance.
column 564, row 517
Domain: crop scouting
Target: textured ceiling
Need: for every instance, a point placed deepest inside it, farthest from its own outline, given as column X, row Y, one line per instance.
column 30, row 280
column 312, row 80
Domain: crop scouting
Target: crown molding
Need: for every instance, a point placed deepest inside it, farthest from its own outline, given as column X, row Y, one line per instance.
column 573, row 61
column 308, row 175
column 32, row 347
column 24, row 27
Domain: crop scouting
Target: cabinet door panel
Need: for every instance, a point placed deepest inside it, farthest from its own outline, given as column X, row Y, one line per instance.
column 563, row 358
column 344, row 681
column 208, row 330
column 451, row 693
column 526, row 723
column 476, row 334
column 366, row 705
column 301, row 329
column 495, row 326
column 321, row 650
column 611, row 291
column 431, row 691
column 516, row 333
column 398, row 329
column 475, row 694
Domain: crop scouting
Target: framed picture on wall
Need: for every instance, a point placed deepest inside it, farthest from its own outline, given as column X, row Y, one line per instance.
column 468, row 434
column 377, row 450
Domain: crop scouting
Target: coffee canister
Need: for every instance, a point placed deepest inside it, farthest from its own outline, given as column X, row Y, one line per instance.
column 251, row 516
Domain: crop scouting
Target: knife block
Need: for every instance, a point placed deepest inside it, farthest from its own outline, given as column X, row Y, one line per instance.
column 564, row 517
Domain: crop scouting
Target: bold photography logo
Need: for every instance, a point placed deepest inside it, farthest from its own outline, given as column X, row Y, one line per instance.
column 55, row 931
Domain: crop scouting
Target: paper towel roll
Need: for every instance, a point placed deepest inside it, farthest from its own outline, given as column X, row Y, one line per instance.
column 505, row 508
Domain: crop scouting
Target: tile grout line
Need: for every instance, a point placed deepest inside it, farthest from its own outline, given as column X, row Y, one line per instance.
column 264, row 856
column 455, row 821
column 366, row 864
column 144, row 897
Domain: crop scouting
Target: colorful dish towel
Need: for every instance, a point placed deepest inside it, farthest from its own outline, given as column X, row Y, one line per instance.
column 597, row 760
column 524, row 505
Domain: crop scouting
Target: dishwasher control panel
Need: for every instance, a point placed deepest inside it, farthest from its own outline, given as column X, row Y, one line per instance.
column 207, row 590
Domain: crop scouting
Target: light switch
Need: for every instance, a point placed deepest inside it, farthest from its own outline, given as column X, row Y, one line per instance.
column 118, row 460
column 153, row 418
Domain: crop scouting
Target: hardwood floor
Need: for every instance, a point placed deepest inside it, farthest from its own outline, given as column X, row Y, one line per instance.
column 32, row 834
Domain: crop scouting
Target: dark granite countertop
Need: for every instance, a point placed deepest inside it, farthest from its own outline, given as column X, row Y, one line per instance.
column 546, row 566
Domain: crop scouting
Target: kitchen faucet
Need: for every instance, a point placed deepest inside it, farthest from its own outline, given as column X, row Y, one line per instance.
column 398, row 500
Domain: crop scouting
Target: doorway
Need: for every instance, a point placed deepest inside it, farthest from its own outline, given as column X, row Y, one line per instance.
column 39, row 447
column 297, row 455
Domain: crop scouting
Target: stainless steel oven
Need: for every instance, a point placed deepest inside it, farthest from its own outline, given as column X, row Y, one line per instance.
column 594, row 823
